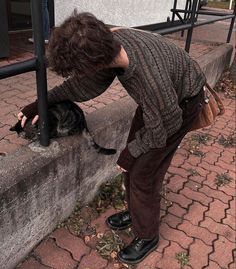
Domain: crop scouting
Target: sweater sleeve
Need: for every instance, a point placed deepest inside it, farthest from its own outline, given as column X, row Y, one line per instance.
column 84, row 88
column 76, row 89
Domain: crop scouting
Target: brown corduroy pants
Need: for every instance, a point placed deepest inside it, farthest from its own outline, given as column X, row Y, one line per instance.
column 144, row 181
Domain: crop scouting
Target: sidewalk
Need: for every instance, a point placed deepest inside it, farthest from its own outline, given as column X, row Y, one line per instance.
column 198, row 213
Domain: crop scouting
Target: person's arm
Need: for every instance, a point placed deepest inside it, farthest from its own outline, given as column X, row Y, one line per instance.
column 76, row 89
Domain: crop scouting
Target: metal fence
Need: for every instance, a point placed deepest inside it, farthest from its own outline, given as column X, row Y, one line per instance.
column 37, row 63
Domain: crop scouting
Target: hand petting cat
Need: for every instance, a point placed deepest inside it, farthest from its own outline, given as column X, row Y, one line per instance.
column 23, row 119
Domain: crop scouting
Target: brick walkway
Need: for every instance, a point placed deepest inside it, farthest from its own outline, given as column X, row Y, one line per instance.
column 198, row 217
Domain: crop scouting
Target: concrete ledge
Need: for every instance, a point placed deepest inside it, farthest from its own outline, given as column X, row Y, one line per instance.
column 39, row 187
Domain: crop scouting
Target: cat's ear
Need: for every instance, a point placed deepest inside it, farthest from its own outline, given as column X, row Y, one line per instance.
column 17, row 127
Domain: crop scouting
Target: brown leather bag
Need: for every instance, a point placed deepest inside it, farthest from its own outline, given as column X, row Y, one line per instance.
column 212, row 107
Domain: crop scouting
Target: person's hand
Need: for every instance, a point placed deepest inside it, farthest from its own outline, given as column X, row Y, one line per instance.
column 23, row 119
column 122, row 169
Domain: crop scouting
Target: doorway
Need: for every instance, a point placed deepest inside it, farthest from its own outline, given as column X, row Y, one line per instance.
column 19, row 15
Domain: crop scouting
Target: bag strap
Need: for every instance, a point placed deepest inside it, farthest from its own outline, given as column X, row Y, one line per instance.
column 217, row 98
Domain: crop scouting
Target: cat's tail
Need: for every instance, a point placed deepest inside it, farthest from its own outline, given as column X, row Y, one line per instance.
column 98, row 148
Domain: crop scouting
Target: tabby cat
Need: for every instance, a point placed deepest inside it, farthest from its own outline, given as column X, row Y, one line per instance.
column 65, row 118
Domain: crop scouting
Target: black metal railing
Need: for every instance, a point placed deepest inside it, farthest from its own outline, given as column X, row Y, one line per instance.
column 37, row 63
column 189, row 22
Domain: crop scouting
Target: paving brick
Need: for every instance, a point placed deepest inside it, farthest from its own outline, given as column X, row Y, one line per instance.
column 219, row 228
column 227, row 156
column 232, row 265
column 9, row 119
column 180, row 199
column 178, row 171
column 213, row 265
column 4, row 131
column 100, row 222
column 210, row 180
column 178, row 160
column 31, row 263
column 15, row 139
column 223, row 252
column 216, row 194
column 232, row 210
column 92, row 261
column 150, row 261
column 202, row 171
column 7, row 147
column 71, row 243
column 175, row 235
column 176, row 183
column 211, row 157
column 6, row 108
column 217, row 210
column 197, row 232
column 192, row 160
column 19, row 102
column 227, row 166
column 196, row 213
column 169, row 259
column 163, row 243
column 199, row 254
column 9, row 93
column 230, row 221
column 193, row 185
column 212, row 168
column 196, row 196
column 172, row 220
column 176, row 210
column 53, row 256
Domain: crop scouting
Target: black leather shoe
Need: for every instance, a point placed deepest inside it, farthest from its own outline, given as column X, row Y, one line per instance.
column 137, row 250
column 119, row 221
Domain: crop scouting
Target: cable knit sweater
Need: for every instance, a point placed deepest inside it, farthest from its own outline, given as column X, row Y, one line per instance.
column 159, row 76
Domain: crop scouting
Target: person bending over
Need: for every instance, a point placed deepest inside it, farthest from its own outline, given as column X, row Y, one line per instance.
column 167, row 86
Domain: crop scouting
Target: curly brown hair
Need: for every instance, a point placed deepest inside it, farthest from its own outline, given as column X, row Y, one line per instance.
column 80, row 45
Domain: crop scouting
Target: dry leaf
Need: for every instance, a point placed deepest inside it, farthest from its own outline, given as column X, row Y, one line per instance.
column 86, row 239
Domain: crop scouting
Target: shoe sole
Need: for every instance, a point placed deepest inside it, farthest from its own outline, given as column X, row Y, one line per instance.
column 138, row 261
column 116, row 228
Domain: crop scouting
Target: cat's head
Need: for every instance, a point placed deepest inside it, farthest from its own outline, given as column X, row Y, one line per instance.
column 30, row 132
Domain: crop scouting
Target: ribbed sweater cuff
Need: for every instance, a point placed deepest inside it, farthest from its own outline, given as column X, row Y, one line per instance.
column 30, row 110
column 126, row 160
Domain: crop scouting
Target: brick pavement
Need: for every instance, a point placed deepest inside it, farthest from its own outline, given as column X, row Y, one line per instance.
column 198, row 217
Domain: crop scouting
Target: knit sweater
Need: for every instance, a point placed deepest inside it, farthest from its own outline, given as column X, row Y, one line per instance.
column 159, row 76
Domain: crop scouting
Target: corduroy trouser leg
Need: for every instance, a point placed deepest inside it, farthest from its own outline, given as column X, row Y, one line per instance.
column 144, row 181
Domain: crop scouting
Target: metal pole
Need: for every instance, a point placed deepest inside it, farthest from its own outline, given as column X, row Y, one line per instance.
column 190, row 31
column 186, row 15
column 41, row 76
column 174, row 8
column 230, row 4
column 231, row 25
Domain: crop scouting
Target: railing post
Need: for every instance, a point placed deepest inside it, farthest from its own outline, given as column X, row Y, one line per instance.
column 186, row 15
column 41, row 76
column 231, row 25
column 190, row 31
column 174, row 7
